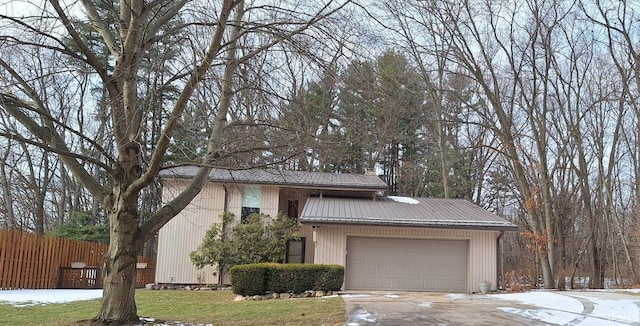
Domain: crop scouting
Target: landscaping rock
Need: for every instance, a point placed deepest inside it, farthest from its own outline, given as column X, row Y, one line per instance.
column 256, row 297
column 239, row 298
column 188, row 287
column 275, row 295
column 329, row 292
column 306, row 295
column 319, row 294
column 149, row 286
column 285, row 295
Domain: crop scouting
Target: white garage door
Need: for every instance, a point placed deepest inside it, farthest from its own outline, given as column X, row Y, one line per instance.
column 406, row 264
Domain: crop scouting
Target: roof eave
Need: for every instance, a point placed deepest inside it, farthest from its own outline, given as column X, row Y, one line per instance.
column 434, row 225
column 291, row 185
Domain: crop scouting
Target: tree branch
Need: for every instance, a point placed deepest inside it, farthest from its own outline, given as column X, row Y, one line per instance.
column 13, row 106
column 99, row 25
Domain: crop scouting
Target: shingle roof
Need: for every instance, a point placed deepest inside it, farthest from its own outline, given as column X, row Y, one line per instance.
column 284, row 177
column 423, row 212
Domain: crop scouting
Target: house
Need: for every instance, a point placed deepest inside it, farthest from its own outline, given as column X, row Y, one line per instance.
column 384, row 242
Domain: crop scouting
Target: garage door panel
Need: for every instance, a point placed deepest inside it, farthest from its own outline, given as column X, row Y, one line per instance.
column 406, row 264
column 385, row 270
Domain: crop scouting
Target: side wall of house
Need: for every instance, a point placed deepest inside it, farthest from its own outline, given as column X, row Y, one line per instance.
column 184, row 233
column 331, row 246
column 269, row 199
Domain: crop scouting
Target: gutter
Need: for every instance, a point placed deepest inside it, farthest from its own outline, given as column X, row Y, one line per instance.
column 412, row 223
column 224, row 210
column 499, row 264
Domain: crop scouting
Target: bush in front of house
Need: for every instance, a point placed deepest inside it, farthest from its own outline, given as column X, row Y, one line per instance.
column 248, row 279
column 285, row 278
column 258, row 239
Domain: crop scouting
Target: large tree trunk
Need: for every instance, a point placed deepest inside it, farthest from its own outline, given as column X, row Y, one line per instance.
column 119, row 273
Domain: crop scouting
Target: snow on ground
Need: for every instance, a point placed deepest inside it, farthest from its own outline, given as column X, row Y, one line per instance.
column 361, row 315
column 562, row 309
column 392, row 296
column 545, row 300
column 557, row 309
column 457, row 296
column 406, row 200
column 21, row 298
column 622, row 310
column 355, row 295
column 545, row 315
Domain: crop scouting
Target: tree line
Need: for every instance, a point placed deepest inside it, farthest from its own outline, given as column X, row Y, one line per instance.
column 528, row 108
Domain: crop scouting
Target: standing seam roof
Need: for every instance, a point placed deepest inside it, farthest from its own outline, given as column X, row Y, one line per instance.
column 283, row 177
column 424, row 212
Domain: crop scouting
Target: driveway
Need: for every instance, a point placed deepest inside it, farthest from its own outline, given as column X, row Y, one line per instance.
column 532, row 308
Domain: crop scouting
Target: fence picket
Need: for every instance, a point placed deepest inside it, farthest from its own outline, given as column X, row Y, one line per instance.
column 28, row 261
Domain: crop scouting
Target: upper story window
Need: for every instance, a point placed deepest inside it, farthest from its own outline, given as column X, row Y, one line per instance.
column 292, row 209
column 251, row 199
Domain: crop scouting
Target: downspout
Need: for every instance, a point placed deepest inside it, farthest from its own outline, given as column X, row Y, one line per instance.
column 499, row 265
column 224, row 211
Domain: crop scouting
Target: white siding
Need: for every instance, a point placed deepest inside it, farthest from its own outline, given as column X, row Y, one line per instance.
column 184, row 234
column 331, row 246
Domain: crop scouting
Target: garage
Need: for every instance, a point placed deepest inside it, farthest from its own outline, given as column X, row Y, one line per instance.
column 406, row 264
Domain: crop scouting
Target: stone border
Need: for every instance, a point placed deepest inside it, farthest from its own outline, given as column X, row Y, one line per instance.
column 284, row 296
column 155, row 286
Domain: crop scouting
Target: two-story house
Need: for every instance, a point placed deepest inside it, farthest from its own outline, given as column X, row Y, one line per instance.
column 384, row 242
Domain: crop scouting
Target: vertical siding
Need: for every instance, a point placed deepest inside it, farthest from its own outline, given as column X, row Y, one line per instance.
column 309, row 246
column 184, row 234
column 331, row 246
column 234, row 193
column 269, row 201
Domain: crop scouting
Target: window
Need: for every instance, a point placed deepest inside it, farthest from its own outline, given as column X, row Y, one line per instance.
column 251, row 195
column 292, row 209
column 295, row 251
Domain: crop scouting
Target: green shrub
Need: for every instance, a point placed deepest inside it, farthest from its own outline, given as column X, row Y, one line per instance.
column 248, row 279
column 285, row 278
column 330, row 278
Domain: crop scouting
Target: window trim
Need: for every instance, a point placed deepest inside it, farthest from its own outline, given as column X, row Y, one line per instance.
column 303, row 240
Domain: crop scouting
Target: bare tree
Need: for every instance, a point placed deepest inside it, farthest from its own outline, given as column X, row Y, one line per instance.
column 130, row 31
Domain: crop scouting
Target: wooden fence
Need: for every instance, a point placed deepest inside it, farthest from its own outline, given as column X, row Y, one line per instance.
column 28, row 261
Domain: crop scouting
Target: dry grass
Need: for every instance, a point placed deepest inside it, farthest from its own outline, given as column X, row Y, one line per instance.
column 199, row 307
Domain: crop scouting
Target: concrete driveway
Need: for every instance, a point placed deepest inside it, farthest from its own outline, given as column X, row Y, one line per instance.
column 535, row 308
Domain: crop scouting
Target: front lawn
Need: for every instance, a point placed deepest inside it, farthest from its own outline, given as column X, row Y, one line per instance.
column 201, row 307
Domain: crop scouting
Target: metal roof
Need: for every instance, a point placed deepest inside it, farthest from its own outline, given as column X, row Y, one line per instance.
column 422, row 212
column 284, row 177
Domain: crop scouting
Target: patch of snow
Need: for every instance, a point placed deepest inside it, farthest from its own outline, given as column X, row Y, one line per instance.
column 392, row 296
column 355, row 295
column 592, row 321
column 21, row 298
column 424, row 304
column 457, row 296
column 330, row 296
column 544, row 300
column 361, row 315
column 405, row 200
column 629, row 290
column 622, row 310
column 544, row 315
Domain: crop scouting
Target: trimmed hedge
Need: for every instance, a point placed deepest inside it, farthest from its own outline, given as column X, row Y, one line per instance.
column 248, row 279
column 261, row 278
